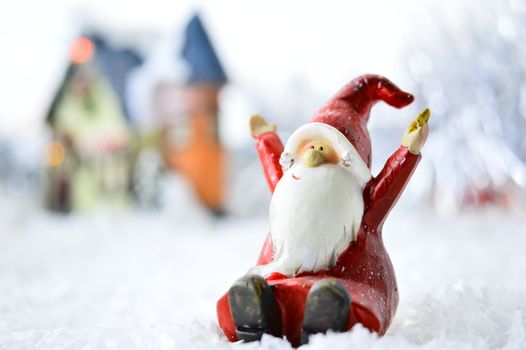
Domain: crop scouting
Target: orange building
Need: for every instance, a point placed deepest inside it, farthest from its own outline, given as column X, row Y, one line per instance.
column 191, row 144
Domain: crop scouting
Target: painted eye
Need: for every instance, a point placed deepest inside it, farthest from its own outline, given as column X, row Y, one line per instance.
column 311, row 147
column 321, row 148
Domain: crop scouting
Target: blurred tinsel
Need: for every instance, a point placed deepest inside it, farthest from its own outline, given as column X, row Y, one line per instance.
column 469, row 66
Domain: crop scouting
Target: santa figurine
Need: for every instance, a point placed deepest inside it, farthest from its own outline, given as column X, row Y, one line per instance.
column 323, row 265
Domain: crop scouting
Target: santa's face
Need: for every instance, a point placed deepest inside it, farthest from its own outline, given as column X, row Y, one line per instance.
column 314, row 153
column 316, row 210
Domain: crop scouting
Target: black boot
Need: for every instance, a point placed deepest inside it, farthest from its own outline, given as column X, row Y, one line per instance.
column 327, row 307
column 254, row 309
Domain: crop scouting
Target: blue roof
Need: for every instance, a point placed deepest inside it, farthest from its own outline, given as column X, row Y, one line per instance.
column 200, row 55
column 117, row 65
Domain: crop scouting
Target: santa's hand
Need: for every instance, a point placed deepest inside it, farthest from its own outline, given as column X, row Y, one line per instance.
column 261, row 270
column 416, row 134
column 260, row 126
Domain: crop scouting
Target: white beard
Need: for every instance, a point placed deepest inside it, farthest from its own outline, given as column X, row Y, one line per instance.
column 313, row 219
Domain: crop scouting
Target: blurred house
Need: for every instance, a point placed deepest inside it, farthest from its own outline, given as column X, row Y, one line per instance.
column 89, row 157
column 189, row 116
column 101, row 155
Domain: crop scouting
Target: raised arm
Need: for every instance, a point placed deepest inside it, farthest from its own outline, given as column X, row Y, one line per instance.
column 269, row 147
column 382, row 192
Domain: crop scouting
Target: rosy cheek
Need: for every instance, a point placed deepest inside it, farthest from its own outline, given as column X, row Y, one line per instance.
column 333, row 158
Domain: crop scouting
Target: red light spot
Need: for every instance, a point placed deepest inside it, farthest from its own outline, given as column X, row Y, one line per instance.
column 81, row 50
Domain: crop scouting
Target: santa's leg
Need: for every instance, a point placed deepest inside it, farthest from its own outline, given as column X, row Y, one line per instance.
column 327, row 308
column 366, row 305
column 369, row 307
column 253, row 308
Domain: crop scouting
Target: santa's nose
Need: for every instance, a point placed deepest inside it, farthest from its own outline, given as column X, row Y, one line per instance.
column 312, row 158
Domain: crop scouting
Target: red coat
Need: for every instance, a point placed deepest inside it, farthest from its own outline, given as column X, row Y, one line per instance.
column 364, row 267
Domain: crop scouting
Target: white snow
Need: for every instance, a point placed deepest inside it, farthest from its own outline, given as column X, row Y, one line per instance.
column 137, row 281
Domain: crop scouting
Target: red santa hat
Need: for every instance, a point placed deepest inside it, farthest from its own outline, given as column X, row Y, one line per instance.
column 343, row 121
column 348, row 110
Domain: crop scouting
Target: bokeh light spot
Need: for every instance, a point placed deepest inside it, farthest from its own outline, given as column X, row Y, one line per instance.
column 81, row 50
column 55, row 153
